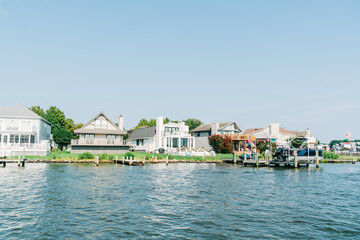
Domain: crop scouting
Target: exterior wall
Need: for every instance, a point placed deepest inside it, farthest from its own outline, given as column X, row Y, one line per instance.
column 100, row 123
column 38, row 128
column 202, row 143
column 231, row 129
column 148, row 146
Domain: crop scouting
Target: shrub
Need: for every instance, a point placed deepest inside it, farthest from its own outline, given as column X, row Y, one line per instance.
column 170, row 157
column 55, row 149
column 111, row 157
column 130, row 154
column 86, row 155
column 221, row 144
column 147, row 157
column 103, row 156
column 330, row 155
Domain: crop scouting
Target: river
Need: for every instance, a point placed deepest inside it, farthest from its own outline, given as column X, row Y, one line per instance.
column 179, row 201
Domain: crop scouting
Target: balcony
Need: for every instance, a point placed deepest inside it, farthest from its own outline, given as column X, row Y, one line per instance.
column 98, row 142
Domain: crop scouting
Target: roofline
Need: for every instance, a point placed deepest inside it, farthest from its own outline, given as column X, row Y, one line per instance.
column 25, row 117
column 99, row 115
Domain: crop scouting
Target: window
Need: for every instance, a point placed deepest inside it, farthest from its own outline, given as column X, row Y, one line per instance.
column 139, row 142
column 171, row 130
column 89, row 138
column 175, row 142
column 104, row 124
column 24, row 138
column 97, row 124
column 14, row 138
column 110, row 139
column 0, row 138
column 5, row 139
column 198, row 134
column 184, row 142
column 32, row 139
column 26, row 126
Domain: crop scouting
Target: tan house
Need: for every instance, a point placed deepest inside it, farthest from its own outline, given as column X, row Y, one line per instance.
column 100, row 135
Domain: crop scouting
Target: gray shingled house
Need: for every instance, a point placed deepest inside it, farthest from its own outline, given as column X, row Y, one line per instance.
column 100, row 135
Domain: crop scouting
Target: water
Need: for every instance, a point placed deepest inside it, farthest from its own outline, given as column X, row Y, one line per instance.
column 179, row 201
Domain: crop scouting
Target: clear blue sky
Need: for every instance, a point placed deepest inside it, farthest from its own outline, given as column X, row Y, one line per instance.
column 254, row 62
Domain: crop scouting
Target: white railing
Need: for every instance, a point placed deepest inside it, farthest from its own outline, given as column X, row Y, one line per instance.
column 95, row 142
column 15, row 149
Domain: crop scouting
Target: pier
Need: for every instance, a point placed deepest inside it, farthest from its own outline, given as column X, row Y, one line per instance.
column 130, row 161
column 20, row 162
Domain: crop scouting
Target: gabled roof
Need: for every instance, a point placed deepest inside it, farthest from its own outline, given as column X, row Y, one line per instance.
column 103, row 131
column 207, row 127
column 146, row 132
column 19, row 111
column 252, row 130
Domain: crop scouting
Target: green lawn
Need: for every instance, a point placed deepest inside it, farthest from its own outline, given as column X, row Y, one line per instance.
column 66, row 155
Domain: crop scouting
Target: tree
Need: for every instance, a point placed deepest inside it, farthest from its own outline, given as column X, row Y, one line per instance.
column 221, row 143
column 192, row 123
column 149, row 123
column 62, row 137
column 62, row 128
column 38, row 110
column 264, row 145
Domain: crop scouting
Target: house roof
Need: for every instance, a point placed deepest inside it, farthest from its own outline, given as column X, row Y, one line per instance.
column 140, row 133
column 207, row 127
column 100, row 131
column 19, row 111
column 252, row 130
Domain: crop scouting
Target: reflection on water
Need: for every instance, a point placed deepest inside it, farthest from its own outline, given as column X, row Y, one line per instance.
column 215, row 201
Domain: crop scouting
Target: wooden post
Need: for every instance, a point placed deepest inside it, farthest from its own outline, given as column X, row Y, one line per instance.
column 18, row 162
column 131, row 160
column 123, row 160
column 155, row 158
column 167, row 160
column 96, row 160
column 143, row 160
column 257, row 159
column 23, row 162
column 234, row 158
column 317, row 159
column 245, row 156
column 296, row 161
column 116, row 159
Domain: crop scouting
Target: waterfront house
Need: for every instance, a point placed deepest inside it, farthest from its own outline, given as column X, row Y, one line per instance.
column 279, row 135
column 100, row 135
column 170, row 138
column 242, row 143
column 202, row 132
column 23, row 132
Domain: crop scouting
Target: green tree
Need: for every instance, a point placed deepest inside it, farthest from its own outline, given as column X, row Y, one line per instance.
column 38, row 110
column 193, row 123
column 62, row 137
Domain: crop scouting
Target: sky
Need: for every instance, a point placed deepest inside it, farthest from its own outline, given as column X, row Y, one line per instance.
column 253, row 62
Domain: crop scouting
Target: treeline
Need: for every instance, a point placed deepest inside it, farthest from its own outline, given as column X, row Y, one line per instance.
column 191, row 122
column 62, row 128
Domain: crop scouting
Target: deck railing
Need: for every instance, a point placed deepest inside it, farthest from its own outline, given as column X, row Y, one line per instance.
column 95, row 142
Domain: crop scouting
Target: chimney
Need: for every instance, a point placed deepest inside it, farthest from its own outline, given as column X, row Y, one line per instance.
column 275, row 129
column 159, row 132
column 214, row 128
column 121, row 122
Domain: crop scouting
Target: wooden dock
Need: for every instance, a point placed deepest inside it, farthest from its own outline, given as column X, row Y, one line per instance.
column 20, row 162
column 130, row 161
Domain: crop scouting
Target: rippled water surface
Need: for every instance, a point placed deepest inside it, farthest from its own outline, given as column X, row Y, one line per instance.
column 189, row 201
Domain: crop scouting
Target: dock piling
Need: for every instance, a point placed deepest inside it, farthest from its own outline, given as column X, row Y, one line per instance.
column 257, row 159
column 234, row 157
column 18, row 162
column 317, row 159
column 96, row 160
column 167, row 160
column 143, row 162
column 296, row 161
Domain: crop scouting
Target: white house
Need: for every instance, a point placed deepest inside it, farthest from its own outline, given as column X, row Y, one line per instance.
column 280, row 135
column 100, row 135
column 202, row 132
column 171, row 137
column 23, row 132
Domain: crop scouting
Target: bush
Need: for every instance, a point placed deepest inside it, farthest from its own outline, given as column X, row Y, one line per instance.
column 130, row 154
column 147, row 157
column 103, row 156
column 111, row 157
column 170, row 157
column 221, row 144
column 55, row 149
column 86, row 155
column 330, row 155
